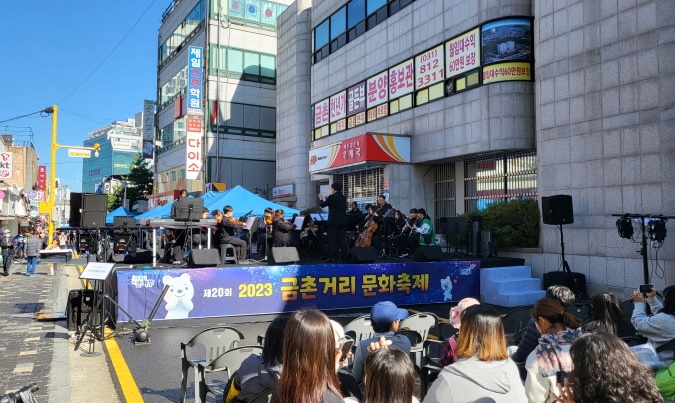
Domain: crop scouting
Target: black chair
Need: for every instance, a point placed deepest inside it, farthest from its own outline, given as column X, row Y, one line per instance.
column 580, row 310
column 515, row 323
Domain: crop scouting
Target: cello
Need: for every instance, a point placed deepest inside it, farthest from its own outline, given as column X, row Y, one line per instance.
column 366, row 236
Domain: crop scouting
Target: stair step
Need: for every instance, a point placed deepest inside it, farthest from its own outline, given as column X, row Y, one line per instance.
column 499, row 273
column 515, row 299
column 513, row 285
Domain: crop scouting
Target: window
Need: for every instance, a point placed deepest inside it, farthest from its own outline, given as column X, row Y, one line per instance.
column 242, row 64
column 374, row 5
column 235, row 61
column 267, row 66
column 243, row 119
column 251, row 63
column 362, row 187
column 321, row 35
column 338, row 23
column 356, row 12
column 182, row 32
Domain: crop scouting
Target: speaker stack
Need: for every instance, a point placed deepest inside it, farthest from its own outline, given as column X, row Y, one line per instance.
column 363, row 254
column 284, row 255
column 428, row 253
column 88, row 209
column 557, row 210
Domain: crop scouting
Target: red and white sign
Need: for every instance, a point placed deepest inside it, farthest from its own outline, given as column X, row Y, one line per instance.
column 321, row 117
column 193, row 148
column 6, row 165
column 377, row 89
column 401, row 79
column 429, row 67
column 360, row 150
column 338, row 106
column 42, row 178
column 462, row 53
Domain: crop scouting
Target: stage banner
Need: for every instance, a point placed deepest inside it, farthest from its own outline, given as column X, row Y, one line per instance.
column 230, row 291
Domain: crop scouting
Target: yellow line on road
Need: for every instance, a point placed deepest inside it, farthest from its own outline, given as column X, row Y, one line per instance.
column 85, row 283
column 124, row 377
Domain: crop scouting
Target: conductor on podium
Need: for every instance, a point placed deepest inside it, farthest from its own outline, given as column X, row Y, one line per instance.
column 337, row 220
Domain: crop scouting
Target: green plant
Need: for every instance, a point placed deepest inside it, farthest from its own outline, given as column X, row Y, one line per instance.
column 514, row 222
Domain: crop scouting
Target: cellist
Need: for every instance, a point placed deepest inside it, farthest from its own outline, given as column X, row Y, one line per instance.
column 369, row 229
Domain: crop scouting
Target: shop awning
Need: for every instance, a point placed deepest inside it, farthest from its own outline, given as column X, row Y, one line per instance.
column 366, row 149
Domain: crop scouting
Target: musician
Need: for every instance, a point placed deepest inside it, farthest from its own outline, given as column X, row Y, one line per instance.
column 354, row 216
column 200, row 236
column 309, row 236
column 337, row 220
column 368, row 221
column 408, row 229
column 382, row 206
column 399, row 222
column 423, row 233
column 281, row 230
column 226, row 232
column 264, row 233
column 178, row 234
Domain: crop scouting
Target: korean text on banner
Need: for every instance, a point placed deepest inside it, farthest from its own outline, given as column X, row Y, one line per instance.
column 195, row 61
column 193, row 148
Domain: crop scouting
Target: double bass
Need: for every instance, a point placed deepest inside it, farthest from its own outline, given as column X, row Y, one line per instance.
column 366, row 236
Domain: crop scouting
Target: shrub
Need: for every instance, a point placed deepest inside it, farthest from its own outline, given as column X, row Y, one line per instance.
column 514, row 222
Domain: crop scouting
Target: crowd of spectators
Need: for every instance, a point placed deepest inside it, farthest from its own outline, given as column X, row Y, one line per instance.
column 565, row 360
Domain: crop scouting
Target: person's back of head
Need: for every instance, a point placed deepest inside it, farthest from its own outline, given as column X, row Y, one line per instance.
column 337, row 186
column 274, row 341
column 385, row 316
column 561, row 294
column 456, row 311
column 668, row 300
column 605, row 313
column 390, row 377
column 553, row 311
column 606, row 370
column 482, row 334
column 309, row 354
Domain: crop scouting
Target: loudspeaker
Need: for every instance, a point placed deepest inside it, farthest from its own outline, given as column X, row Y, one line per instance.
column 284, row 254
column 365, row 254
column 121, row 241
column 488, row 243
column 204, row 258
column 141, row 256
column 80, row 303
column 574, row 281
column 88, row 209
column 557, row 210
column 124, row 221
column 428, row 253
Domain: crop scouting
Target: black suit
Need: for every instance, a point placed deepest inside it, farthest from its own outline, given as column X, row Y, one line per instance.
column 7, row 252
column 337, row 223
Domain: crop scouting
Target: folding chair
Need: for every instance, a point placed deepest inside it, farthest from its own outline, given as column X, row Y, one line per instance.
column 228, row 362
column 358, row 329
column 216, row 341
column 422, row 323
column 515, row 323
column 580, row 310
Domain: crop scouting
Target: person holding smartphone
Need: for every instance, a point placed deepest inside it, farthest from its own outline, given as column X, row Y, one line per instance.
column 658, row 328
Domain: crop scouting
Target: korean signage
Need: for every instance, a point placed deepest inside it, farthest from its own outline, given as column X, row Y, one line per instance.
column 42, row 178
column 429, row 67
column 79, row 153
column 193, row 148
column 401, row 79
column 358, row 150
column 6, row 165
column 194, row 90
column 377, row 90
column 220, row 291
column 283, row 191
column 321, row 116
column 462, row 53
column 338, row 106
column 148, row 119
column 356, row 105
column 507, row 72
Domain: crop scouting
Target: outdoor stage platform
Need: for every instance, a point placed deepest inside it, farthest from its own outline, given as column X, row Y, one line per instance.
column 261, row 289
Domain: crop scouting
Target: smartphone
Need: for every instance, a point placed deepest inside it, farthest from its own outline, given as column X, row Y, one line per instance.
column 346, row 348
column 645, row 288
column 560, row 377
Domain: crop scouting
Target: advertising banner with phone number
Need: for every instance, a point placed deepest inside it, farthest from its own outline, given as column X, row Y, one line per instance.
column 230, row 291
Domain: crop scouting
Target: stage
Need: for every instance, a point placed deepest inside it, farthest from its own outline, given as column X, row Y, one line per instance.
column 261, row 289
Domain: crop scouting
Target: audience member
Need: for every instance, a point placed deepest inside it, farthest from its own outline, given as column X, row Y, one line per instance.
column 390, row 377
column 607, row 316
column 531, row 336
column 348, row 385
column 559, row 329
column 606, row 370
column 484, row 372
column 449, row 356
column 658, row 328
column 385, row 318
column 260, row 372
column 310, row 355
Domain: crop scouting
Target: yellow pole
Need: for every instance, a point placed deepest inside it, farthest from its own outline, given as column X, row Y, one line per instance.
column 52, row 176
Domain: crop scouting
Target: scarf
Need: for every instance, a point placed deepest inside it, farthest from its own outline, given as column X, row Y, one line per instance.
column 550, row 355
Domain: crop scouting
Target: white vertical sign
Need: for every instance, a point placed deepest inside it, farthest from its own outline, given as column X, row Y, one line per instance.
column 193, row 148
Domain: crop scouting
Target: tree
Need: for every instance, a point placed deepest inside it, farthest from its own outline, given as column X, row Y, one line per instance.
column 139, row 184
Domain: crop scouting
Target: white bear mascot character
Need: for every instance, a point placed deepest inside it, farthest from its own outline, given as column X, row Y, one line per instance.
column 179, row 296
column 446, row 285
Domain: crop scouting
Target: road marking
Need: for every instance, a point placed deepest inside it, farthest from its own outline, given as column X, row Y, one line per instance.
column 124, row 377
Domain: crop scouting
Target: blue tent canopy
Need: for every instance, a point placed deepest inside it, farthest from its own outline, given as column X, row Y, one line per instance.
column 241, row 200
column 118, row 212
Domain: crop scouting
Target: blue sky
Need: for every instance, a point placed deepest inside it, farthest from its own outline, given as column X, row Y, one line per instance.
column 49, row 48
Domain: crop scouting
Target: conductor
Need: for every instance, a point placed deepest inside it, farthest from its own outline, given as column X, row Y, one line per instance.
column 337, row 220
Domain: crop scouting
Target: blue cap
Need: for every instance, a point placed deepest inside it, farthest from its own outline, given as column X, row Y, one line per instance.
column 385, row 313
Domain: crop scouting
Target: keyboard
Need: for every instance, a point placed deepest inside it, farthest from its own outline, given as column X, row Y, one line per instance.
column 171, row 223
column 56, row 255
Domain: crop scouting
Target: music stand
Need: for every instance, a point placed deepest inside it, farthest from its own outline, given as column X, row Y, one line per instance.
column 189, row 209
column 97, row 273
column 458, row 228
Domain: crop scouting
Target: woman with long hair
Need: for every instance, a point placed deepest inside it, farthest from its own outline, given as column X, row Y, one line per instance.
column 310, row 353
column 390, row 377
column 606, row 315
column 260, row 372
column 483, row 371
column 606, row 370
column 658, row 328
column 559, row 329
column 281, row 230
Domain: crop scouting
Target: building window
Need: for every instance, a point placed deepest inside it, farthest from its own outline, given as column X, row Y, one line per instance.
column 242, row 119
column 321, row 35
column 184, row 31
column 498, row 178
column 444, row 193
column 255, row 13
column 362, row 187
column 242, row 64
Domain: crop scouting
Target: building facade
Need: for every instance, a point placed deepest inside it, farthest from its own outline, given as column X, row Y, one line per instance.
column 233, row 105
column 120, row 143
column 18, row 176
column 452, row 105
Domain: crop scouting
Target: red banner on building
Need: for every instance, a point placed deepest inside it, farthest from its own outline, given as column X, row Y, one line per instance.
column 361, row 149
column 42, row 178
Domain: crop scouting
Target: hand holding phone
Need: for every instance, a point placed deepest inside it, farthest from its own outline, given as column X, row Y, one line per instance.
column 646, row 288
column 560, row 377
column 346, row 348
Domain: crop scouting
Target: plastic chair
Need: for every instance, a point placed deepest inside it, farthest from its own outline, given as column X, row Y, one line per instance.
column 228, row 253
column 580, row 310
column 422, row 323
column 228, row 362
column 515, row 323
column 216, row 341
column 360, row 328
column 264, row 397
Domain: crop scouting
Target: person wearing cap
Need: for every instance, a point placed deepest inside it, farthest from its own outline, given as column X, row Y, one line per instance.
column 385, row 318
column 7, row 245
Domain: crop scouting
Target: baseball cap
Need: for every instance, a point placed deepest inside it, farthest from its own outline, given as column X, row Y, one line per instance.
column 384, row 313
column 7, row 231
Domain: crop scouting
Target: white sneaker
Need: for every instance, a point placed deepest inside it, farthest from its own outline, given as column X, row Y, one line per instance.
column 403, row 255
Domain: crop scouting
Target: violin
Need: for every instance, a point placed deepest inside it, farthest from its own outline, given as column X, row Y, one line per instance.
column 235, row 221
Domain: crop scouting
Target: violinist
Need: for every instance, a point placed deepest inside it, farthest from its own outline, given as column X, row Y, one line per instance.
column 309, row 236
column 264, row 233
column 227, row 233
column 281, row 230
column 408, row 229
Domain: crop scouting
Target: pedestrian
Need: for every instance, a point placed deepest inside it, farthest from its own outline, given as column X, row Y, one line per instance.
column 7, row 245
column 62, row 240
column 33, row 246
column 52, row 246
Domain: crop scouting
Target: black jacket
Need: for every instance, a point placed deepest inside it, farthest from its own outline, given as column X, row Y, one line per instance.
column 226, row 229
column 337, row 208
column 281, row 232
